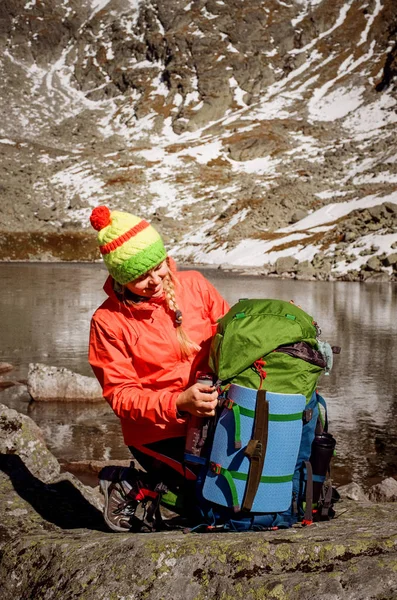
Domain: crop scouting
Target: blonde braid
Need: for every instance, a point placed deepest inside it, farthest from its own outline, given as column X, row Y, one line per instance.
column 188, row 347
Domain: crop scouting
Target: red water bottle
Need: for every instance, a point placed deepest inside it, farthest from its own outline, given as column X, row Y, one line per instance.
column 197, row 429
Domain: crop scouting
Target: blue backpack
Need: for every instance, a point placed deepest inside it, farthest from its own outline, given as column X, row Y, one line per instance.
column 268, row 450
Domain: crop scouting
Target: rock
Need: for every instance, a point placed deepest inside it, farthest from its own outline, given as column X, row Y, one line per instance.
column 353, row 491
column 5, row 367
column 377, row 212
column 52, row 383
column 45, row 213
column 380, row 276
column 66, row 553
column 391, row 207
column 390, row 260
column 93, row 495
column 4, row 384
column 285, row 264
column 374, row 264
column 53, row 544
column 350, row 236
column 305, row 270
column 19, row 435
column 298, row 215
column 386, row 491
column 18, row 393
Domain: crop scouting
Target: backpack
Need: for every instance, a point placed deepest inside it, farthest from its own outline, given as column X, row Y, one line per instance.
column 269, row 450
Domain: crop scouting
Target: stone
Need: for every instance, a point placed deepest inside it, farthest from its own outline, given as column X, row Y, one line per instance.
column 20, row 436
column 5, row 367
column 353, row 491
column 4, row 383
column 305, row 270
column 377, row 212
column 45, row 214
column 285, row 264
column 53, row 383
column 54, row 544
column 350, row 236
column 374, row 264
column 386, row 491
column 390, row 260
column 298, row 215
column 391, row 207
column 374, row 226
column 380, row 276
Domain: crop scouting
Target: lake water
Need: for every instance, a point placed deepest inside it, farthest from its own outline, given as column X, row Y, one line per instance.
column 45, row 311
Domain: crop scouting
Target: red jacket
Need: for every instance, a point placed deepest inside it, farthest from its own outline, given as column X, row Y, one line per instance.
column 136, row 358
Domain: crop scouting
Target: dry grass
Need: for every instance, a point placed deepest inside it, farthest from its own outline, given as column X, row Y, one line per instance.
column 67, row 246
column 136, row 177
column 322, row 239
column 219, row 161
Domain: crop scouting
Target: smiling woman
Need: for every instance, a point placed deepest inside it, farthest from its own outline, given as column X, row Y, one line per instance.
column 147, row 361
column 151, row 284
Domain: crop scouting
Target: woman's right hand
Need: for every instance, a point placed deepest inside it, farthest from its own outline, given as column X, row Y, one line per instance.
column 199, row 400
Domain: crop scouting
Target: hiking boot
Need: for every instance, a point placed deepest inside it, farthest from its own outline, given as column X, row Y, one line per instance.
column 116, row 484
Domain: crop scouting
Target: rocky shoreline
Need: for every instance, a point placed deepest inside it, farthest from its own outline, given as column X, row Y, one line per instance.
column 338, row 248
column 54, row 543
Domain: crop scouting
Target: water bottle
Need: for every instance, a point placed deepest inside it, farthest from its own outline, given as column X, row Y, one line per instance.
column 197, row 429
column 322, row 451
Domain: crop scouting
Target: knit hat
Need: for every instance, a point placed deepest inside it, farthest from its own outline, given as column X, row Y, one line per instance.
column 129, row 245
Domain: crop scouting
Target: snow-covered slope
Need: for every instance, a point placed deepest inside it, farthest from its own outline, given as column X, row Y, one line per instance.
column 248, row 131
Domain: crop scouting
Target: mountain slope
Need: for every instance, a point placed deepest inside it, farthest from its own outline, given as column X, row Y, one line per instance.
column 228, row 124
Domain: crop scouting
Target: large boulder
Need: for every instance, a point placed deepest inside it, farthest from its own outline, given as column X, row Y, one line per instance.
column 47, row 383
column 53, row 544
column 385, row 491
column 353, row 491
column 20, row 436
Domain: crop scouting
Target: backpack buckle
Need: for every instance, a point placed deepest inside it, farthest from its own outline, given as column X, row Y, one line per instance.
column 254, row 449
column 228, row 403
column 215, row 468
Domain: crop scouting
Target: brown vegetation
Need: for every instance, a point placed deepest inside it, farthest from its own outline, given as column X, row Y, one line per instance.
column 67, row 246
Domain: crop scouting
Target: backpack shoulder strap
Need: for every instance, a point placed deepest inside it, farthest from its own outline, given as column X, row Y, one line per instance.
column 256, row 449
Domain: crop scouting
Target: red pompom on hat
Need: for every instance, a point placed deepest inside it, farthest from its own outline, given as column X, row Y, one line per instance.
column 100, row 217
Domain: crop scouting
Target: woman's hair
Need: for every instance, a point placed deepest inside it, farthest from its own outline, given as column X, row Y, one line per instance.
column 187, row 346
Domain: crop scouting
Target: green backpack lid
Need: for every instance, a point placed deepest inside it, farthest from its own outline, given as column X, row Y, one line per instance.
column 254, row 328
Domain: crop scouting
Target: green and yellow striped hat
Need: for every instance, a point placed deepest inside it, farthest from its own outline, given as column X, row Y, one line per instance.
column 129, row 245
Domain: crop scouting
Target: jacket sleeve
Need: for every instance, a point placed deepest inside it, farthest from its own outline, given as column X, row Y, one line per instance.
column 121, row 387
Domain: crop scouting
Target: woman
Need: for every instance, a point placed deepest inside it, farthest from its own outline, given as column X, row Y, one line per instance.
column 148, row 340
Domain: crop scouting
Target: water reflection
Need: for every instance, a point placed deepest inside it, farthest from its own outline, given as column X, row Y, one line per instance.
column 45, row 311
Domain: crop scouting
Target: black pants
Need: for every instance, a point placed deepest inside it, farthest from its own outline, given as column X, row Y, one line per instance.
column 159, row 471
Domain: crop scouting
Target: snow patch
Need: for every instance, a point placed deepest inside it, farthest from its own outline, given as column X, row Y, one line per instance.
column 332, row 212
column 337, row 104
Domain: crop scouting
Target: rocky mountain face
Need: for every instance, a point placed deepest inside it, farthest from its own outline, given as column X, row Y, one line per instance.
column 220, row 121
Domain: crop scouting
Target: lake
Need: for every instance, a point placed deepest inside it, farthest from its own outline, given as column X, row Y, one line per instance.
column 45, row 311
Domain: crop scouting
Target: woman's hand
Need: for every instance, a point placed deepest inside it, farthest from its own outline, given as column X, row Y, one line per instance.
column 199, row 400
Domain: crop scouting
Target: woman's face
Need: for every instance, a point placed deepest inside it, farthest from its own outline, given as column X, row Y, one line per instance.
column 150, row 284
